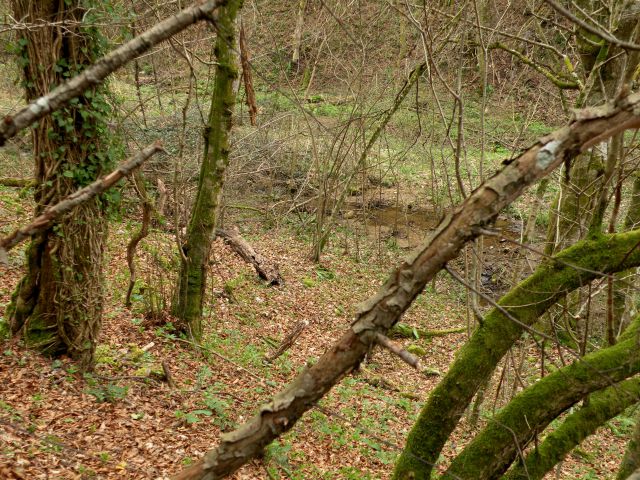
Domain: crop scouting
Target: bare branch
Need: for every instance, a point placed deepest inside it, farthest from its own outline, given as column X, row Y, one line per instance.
column 407, row 357
column 47, row 218
column 380, row 312
column 590, row 28
column 96, row 73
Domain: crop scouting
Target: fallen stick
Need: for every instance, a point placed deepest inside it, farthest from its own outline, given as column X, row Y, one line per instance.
column 46, row 219
column 266, row 270
column 288, row 341
column 402, row 330
column 383, row 310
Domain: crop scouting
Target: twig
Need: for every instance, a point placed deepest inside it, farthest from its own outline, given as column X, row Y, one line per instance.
column 590, row 28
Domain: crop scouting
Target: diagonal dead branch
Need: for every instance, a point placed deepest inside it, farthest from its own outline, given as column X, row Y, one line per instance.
column 405, row 283
column 95, row 74
column 46, row 219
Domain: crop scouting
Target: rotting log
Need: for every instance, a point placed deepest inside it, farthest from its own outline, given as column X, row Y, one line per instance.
column 477, row 359
column 383, row 310
column 17, row 182
column 47, row 218
column 494, row 449
column 59, row 96
column 402, row 330
column 267, row 270
column 603, row 406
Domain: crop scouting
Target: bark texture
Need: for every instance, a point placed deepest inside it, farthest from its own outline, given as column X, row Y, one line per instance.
column 201, row 231
column 383, row 310
column 603, row 406
column 493, row 450
column 478, row 358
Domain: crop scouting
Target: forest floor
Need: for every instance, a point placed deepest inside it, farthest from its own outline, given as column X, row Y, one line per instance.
column 119, row 422
column 122, row 421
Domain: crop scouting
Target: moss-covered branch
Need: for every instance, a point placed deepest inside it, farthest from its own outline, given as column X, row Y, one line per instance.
column 631, row 462
column 476, row 361
column 553, row 77
column 602, row 407
column 493, row 450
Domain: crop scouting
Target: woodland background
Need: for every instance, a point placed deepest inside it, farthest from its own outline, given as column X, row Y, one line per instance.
column 355, row 128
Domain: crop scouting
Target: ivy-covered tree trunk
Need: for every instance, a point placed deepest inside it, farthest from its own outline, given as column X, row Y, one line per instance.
column 201, row 231
column 57, row 306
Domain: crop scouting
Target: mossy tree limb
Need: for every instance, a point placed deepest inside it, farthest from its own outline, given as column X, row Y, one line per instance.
column 494, row 449
column 478, row 358
column 631, row 462
column 603, row 406
column 201, row 231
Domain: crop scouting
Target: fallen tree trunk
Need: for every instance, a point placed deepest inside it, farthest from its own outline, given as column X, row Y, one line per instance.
column 494, row 449
column 382, row 311
column 402, row 330
column 266, row 269
column 603, row 406
column 45, row 220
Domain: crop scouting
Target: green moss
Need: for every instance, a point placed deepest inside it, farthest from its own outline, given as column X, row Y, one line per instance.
column 104, row 355
column 493, row 450
column 477, row 360
column 416, row 350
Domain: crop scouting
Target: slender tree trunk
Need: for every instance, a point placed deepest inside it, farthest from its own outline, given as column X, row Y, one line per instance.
column 297, row 35
column 57, row 306
column 201, row 231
